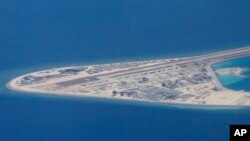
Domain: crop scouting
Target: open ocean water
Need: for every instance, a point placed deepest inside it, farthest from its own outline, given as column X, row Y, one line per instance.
column 38, row 35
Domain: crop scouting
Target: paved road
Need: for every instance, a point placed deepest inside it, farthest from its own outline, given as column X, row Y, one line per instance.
column 209, row 57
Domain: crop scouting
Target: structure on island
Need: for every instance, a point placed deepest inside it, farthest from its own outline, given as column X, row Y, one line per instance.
column 189, row 80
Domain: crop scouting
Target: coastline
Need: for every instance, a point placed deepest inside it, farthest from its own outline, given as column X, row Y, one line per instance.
column 182, row 105
column 12, row 86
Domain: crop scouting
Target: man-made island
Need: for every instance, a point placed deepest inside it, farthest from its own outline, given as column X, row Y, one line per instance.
column 189, row 80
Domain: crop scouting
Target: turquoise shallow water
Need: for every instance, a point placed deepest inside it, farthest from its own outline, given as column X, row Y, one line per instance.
column 41, row 117
column 38, row 35
column 232, row 81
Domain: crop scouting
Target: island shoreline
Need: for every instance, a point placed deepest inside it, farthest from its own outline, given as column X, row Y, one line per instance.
column 210, row 68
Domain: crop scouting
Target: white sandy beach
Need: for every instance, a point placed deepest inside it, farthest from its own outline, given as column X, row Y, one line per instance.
column 110, row 76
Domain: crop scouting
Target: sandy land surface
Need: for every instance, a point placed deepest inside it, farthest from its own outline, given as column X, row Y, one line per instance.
column 234, row 71
column 206, row 93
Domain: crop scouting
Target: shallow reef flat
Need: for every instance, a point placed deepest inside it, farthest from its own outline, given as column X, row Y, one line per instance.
column 189, row 80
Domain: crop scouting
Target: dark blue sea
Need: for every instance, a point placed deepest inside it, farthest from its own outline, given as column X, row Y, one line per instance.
column 42, row 34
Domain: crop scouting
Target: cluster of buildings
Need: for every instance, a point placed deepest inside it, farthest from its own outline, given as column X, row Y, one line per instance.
column 165, row 83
